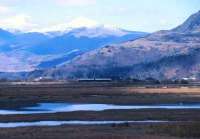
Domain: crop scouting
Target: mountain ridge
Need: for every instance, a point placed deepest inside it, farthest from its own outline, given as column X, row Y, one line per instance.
column 27, row 51
column 191, row 24
column 150, row 49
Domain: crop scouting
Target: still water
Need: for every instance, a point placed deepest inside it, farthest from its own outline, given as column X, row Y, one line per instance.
column 43, row 108
column 59, row 123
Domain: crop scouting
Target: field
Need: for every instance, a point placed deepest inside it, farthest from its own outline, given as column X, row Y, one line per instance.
column 186, row 123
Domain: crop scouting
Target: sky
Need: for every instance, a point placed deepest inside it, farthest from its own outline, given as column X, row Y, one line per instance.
column 135, row 15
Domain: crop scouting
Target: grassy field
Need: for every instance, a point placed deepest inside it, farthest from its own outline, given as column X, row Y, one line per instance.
column 123, row 131
column 166, row 90
column 13, row 96
column 188, row 127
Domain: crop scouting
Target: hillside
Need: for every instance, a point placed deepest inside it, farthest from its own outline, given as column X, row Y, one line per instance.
column 171, row 54
column 28, row 51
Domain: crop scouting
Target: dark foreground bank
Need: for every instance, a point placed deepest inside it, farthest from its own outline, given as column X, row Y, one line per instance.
column 112, row 131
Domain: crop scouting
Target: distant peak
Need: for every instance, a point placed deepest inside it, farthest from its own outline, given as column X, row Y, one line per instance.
column 192, row 24
column 82, row 22
column 98, row 31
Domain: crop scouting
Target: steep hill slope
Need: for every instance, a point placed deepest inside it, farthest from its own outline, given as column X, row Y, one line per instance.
column 168, row 54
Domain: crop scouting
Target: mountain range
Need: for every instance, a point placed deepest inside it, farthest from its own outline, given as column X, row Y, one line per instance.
column 166, row 54
column 25, row 52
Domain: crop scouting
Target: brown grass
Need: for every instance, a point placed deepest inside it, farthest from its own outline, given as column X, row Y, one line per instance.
column 177, row 90
column 158, row 131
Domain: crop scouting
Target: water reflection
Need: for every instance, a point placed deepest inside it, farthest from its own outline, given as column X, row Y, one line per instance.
column 67, row 107
column 59, row 123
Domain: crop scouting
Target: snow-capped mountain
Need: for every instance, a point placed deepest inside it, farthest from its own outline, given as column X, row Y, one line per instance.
column 28, row 51
column 169, row 54
column 91, row 32
column 82, row 27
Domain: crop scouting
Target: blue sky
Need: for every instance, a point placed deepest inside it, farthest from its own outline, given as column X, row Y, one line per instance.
column 137, row 15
